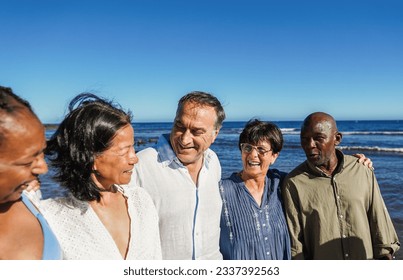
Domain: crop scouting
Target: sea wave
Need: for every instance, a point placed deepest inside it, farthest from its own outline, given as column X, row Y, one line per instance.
column 372, row 149
column 398, row 150
column 238, row 131
column 389, row 133
column 294, row 131
column 290, row 130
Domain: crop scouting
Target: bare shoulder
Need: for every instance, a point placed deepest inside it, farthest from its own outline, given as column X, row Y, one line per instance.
column 21, row 235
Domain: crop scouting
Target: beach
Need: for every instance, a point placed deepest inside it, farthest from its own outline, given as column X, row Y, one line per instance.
column 382, row 141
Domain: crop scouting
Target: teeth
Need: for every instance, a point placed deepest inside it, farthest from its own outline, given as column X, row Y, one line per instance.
column 253, row 163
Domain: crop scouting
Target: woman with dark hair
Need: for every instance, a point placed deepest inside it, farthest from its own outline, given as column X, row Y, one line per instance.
column 253, row 224
column 24, row 233
column 92, row 153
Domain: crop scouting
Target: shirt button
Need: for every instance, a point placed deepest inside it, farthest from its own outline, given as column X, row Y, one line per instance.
column 265, row 238
column 268, row 253
column 264, row 225
column 341, row 216
column 344, row 236
column 346, row 255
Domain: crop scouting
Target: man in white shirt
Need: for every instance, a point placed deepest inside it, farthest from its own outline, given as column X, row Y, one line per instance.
column 182, row 174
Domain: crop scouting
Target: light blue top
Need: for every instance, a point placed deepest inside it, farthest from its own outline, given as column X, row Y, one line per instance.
column 250, row 231
column 51, row 247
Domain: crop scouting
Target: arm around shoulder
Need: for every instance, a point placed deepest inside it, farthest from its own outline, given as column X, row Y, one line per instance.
column 292, row 214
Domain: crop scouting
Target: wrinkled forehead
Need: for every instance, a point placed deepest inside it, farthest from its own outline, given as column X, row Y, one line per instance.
column 20, row 144
column 21, row 117
column 191, row 107
column 318, row 126
column 196, row 111
column 323, row 126
column 19, row 124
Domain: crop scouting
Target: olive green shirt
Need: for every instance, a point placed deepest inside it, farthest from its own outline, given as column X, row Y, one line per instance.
column 337, row 217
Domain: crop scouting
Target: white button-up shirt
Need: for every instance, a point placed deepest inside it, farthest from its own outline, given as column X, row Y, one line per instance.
column 189, row 214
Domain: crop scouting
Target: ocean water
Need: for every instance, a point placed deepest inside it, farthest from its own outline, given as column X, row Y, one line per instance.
column 382, row 141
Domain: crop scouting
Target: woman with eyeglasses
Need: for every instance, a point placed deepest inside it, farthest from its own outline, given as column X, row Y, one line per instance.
column 253, row 225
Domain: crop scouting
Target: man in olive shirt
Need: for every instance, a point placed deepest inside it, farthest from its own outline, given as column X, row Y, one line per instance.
column 333, row 204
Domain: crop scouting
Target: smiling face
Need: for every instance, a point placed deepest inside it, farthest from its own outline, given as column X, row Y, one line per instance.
column 257, row 164
column 115, row 165
column 193, row 132
column 21, row 154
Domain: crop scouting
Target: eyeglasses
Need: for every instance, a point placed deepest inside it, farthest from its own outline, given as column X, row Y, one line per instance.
column 248, row 148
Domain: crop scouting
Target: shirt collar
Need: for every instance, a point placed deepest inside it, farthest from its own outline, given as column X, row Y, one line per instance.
column 317, row 171
column 167, row 155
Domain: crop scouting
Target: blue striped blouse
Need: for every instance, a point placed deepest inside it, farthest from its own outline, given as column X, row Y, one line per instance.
column 250, row 231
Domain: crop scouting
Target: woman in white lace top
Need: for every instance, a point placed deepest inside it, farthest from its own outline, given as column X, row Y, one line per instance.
column 92, row 153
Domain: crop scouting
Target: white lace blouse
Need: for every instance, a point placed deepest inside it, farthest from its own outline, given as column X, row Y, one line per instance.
column 82, row 235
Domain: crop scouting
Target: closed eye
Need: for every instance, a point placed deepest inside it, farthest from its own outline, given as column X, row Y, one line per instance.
column 25, row 164
column 198, row 132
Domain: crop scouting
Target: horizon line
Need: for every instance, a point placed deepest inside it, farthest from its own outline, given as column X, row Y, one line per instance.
column 337, row 120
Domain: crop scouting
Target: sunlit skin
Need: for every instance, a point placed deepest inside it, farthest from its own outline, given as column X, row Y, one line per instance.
column 192, row 134
column 21, row 161
column 114, row 167
column 319, row 138
column 21, row 155
column 255, row 168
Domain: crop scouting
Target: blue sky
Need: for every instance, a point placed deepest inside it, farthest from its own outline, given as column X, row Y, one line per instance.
column 276, row 60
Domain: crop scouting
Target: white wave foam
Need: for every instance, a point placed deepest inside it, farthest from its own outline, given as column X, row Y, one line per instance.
column 372, row 132
column 290, row 130
column 374, row 148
